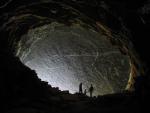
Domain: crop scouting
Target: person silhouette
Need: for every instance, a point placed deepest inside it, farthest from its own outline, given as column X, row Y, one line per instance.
column 80, row 88
column 91, row 89
column 85, row 92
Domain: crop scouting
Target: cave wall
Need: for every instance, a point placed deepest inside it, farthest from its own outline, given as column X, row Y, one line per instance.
column 123, row 27
column 101, row 16
column 120, row 21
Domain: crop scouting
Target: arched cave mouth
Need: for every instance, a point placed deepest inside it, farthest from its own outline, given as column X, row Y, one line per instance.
column 65, row 56
column 66, row 47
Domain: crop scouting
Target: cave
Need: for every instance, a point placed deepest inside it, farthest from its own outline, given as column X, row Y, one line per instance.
column 49, row 47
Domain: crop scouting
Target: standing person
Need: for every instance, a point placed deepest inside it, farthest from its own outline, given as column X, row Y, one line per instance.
column 91, row 89
column 80, row 88
column 85, row 92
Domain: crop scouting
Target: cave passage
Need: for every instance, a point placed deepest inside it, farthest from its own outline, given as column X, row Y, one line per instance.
column 65, row 56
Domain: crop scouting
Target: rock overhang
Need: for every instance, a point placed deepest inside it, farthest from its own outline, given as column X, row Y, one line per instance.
column 18, row 22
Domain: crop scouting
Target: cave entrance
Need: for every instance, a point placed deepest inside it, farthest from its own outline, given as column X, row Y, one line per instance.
column 65, row 56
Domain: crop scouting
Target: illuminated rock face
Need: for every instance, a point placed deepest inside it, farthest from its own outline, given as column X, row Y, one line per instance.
column 67, row 55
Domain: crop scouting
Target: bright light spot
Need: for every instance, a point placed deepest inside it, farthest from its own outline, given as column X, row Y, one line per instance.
column 65, row 56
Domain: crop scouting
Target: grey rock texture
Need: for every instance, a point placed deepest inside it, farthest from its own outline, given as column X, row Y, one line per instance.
column 66, row 56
